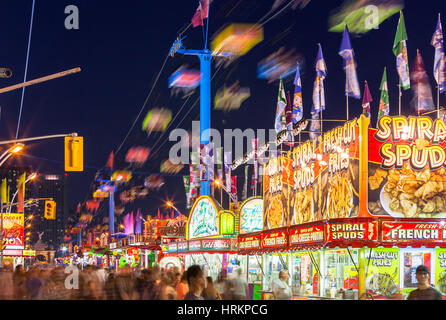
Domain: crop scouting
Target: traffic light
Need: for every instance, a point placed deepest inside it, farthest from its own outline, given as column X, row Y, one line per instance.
column 50, row 210
column 74, row 153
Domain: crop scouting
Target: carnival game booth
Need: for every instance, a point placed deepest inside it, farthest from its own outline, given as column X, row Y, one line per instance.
column 352, row 213
column 250, row 216
column 211, row 239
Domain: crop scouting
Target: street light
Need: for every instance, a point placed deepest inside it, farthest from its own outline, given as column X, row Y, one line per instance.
column 13, row 150
column 170, row 205
column 218, row 183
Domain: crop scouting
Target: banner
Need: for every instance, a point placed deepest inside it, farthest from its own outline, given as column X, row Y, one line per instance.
column 440, row 270
column 13, row 230
column 406, row 167
column 382, row 278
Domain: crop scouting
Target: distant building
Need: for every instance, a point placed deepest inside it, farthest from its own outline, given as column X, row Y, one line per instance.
column 51, row 186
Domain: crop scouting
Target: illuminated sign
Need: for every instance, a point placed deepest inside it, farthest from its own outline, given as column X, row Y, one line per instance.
column 251, row 216
column 195, row 245
column 216, row 244
column 307, row 235
column 29, row 253
column 352, row 231
column 250, row 242
column 274, row 239
column 172, row 247
column 182, row 246
column 227, row 223
column 203, row 220
column 413, row 232
column 14, row 229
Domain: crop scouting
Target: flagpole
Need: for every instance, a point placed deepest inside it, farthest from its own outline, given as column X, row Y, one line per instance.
column 399, row 98
column 438, row 93
column 346, row 93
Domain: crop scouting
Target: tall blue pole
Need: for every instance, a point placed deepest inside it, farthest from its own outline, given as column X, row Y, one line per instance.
column 111, row 212
column 205, row 108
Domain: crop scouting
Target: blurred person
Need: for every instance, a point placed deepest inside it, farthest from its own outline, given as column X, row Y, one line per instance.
column 424, row 291
column 110, row 290
column 240, row 290
column 182, row 287
column 195, row 280
column 177, row 279
column 34, row 284
column 210, row 292
column 142, row 282
column 280, row 287
column 153, row 289
column 6, row 284
column 19, row 279
column 126, row 284
column 167, row 290
column 220, row 284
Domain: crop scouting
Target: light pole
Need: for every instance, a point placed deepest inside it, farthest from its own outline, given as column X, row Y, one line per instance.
column 218, row 183
column 32, row 176
column 170, row 205
column 11, row 151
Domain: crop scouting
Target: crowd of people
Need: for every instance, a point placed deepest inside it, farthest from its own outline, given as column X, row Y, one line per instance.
column 93, row 283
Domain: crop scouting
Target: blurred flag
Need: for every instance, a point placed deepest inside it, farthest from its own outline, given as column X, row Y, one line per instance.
column 318, row 89
column 384, row 99
column 201, row 13
column 3, row 191
column 219, row 160
column 234, row 185
column 21, row 193
column 110, row 161
column 280, row 110
column 245, row 184
column 315, row 126
column 228, row 160
column 186, row 182
column 210, row 165
column 440, row 60
column 367, row 98
column 422, row 99
column 297, row 100
column 400, row 51
column 138, row 223
column 289, row 120
column 351, row 79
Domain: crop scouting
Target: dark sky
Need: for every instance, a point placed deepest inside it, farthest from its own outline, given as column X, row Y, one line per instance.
column 121, row 46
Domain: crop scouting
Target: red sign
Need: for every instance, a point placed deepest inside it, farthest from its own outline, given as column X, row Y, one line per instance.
column 307, row 235
column 274, row 239
column 413, row 231
column 352, row 231
column 251, row 242
column 132, row 251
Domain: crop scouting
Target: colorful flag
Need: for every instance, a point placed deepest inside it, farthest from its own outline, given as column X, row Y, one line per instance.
column 138, row 223
column 245, row 184
column 219, row 161
column 234, row 185
column 440, row 60
column 367, row 98
column 202, row 162
column 228, row 160
column 186, row 182
column 315, row 126
column 21, row 193
column 280, row 110
column 384, row 99
column 351, row 79
column 289, row 121
column 422, row 100
column 400, row 51
column 318, row 89
column 110, row 161
column 201, row 13
column 3, row 191
column 297, row 100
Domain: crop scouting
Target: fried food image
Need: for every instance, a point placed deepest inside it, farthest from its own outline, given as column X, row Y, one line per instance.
column 376, row 180
column 413, row 193
column 303, row 206
column 275, row 213
column 340, row 196
column 382, row 284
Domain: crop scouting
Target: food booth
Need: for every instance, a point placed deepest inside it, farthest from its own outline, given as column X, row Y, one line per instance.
column 352, row 213
column 211, row 239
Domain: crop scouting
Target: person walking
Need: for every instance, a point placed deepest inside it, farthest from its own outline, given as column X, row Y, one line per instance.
column 19, row 279
column 210, row 292
column 195, row 280
column 182, row 287
column 281, row 289
column 424, row 291
column 240, row 289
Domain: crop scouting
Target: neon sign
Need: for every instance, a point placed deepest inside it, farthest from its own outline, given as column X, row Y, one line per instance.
column 251, row 216
column 203, row 221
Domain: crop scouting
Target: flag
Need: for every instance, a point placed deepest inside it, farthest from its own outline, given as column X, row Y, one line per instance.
column 202, row 153
column 209, row 151
column 315, row 125
column 109, row 163
column 440, row 60
column 384, row 99
column 297, row 100
column 201, row 13
column 400, row 51
column 3, row 191
column 186, row 182
column 234, row 185
column 219, row 161
column 245, row 184
column 228, row 159
column 351, row 79
column 366, row 99
column 422, row 100
column 138, row 223
column 21, row 193
column 289, row 121
column 318, row 89
column 280, row 121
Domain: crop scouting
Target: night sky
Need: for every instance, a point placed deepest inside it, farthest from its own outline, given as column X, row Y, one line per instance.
column 121, row 46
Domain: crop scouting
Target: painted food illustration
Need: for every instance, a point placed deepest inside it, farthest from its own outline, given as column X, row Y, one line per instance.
column 340, row 196
column 303, row 206
column 382, row 284
column 275, row 213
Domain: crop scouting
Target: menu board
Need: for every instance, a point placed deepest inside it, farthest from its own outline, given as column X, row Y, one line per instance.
column 307, row 235
column 413, row 232
column 406, row 167
column 251, row 215
column 274, row 239
column 352, row 231
column 440, row 270
column 249, row 242
column 382, row 277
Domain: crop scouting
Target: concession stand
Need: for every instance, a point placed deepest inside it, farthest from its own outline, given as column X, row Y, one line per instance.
column 211, row 239
column 352, row 213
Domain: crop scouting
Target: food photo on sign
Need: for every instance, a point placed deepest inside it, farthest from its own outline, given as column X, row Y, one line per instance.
column 406, row 168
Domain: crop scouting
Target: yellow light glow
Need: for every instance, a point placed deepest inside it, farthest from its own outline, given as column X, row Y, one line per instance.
column 17, row 148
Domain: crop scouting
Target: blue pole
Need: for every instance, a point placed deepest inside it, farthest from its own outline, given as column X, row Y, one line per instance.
column 205, row 108
column 111, row 212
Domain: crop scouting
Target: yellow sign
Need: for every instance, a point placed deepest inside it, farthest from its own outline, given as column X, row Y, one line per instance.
column 29, row 253
column 74, row 154
column 50, row 210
